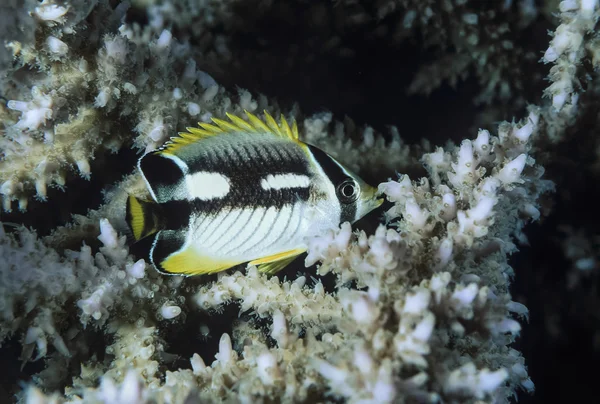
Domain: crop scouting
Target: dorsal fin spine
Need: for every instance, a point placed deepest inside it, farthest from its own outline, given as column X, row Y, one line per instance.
column 210, row 128
column 224, row 125
column 272, row 124
column 257, row 123
column 286, row 127
column 195, row 132
column 240, row 122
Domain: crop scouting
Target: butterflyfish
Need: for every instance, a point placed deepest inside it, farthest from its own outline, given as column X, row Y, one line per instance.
column 241, row 191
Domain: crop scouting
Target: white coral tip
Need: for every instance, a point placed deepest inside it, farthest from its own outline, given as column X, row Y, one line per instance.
column 384, row 390
column 490, row 381
column 137, row 270
column 330, row 372
column 56, row 46
column 479, row 383
column 279, row 331
column 108, row 235
column 416, row 216
column 444, row 253
column 417, row 302
column 15, row 105
column 525, row 131
column 33, row 395
column 193, row 109
column 225, row 353
column 32, row 335
column 512, row 171
column 130, row 389
column 268, row 371
column 50, row 12
column 363, row 310
column 550, row 55
column 83, row 165
column 483, row 209
column 588, row 7
column 198, row 364
column 164, row 40
column 424, row 329
column 363, row 361
column 464, row 296
column 170, row 312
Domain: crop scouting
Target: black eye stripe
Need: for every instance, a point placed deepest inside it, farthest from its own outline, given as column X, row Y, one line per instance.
column 331, row 168
column 337, row 176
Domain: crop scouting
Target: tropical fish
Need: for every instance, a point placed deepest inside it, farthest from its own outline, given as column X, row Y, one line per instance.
column 237, row 191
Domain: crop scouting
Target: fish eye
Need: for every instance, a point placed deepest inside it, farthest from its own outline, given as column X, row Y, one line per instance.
column 347, row 191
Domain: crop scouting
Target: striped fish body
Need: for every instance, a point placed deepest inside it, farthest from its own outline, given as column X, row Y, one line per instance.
column 239, row 191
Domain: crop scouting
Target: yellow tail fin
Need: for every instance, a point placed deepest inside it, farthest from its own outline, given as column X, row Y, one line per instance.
column 142, row 217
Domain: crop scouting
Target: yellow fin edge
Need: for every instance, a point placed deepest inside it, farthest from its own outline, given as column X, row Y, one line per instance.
column 235, row 124
column 189, row 262
column 275, row 263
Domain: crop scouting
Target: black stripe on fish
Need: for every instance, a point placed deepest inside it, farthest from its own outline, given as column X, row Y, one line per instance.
column 249, row 160
column 176, row 214
column 337, row 175
column 245, row 197
column 166, row 242
column 163, row 175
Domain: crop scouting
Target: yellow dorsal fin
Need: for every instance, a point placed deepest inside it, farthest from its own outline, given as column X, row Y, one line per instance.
column 282, row 129
column 235, row 124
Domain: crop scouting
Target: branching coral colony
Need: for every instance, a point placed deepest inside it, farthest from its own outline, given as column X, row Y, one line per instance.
column 421, row 311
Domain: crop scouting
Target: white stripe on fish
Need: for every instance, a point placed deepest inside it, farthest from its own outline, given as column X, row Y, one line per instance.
column 206, row 186
column 283, row 181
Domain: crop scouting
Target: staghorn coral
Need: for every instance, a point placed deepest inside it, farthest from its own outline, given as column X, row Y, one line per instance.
column 388, row 340
column 418, row 309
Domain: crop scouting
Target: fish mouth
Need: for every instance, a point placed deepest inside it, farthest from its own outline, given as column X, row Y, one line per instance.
column 376, row 202
column 372, row 198
column 369, row 200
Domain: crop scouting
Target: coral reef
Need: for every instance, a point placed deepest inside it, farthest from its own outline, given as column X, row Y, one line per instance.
column 413, row 304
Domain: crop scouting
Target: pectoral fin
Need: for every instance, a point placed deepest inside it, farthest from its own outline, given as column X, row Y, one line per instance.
column 274, row 263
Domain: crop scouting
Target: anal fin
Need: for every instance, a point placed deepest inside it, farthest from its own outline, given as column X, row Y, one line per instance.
column 274, row 263
column 170, row 256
